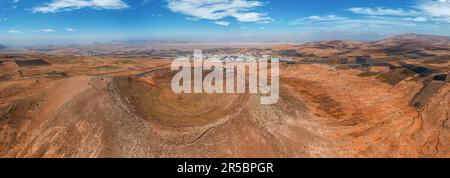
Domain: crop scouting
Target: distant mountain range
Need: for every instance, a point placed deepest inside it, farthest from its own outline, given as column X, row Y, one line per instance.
column 407, row 41
column 394, row 45
column 414, row 41
column 145, row 42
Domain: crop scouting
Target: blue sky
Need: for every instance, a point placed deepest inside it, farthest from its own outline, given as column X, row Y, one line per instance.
column 85, row 21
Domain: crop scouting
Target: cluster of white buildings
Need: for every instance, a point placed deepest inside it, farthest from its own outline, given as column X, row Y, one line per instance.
column 232, row 57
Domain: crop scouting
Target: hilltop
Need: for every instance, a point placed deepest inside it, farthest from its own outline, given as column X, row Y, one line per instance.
column 396, row 45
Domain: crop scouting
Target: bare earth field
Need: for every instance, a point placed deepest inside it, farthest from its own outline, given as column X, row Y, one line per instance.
column 71, row 106
column 321, row 113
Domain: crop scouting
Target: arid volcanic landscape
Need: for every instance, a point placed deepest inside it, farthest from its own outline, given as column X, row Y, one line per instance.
column 387, row 98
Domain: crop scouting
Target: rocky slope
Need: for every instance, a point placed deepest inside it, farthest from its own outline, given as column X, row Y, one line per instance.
column 321, row 113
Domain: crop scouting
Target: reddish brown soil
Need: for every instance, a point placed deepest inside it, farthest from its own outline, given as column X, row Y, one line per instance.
column 102, row 112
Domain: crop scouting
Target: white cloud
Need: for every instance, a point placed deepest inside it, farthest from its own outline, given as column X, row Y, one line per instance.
column 223, row 23
column 424, row 11
column 375, row 23
column 438, row 10
column 425, row 16
column 382, row 11
column 67, row 5
column 241, row 10
column 47, row 30
column 326, row 18
column 317, row 19
column 70, row 29
column 416, row 19
column 13, row 31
